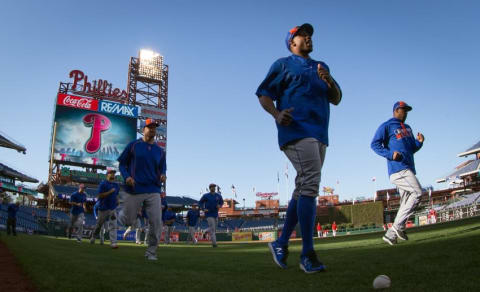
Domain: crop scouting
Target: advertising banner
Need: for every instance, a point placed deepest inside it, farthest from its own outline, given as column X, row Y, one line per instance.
column 242, row 236
column 293, row 235
column 267, row 236
column 116, row 108
column 91, row 131
column 153, row 112
column 174, row 236
column 422, row 220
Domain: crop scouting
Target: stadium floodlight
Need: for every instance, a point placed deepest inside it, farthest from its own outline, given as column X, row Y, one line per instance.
column 151, row 64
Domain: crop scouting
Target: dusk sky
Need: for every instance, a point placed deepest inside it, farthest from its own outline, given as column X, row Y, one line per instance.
column 423, row 52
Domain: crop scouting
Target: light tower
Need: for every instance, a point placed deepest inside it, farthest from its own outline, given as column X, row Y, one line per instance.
column 148, row 88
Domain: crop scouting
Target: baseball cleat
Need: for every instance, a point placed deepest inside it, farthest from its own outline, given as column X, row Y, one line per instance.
column 400, row 234
column 309, row 263
column 151, row 257
column 389, row 240
column 279, row 253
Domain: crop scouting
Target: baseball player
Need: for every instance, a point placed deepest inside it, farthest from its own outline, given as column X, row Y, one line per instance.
column 168, row 221
column 192, row 220
column 395, row 141
column 297, row 92
column 107, row 196
column 104, row 226
column 12, row 210
column 77, row 216
column 143, row 167
column 210, row 203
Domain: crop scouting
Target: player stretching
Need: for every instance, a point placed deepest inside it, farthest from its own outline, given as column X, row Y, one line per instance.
column 192, row 219
column 107, row 196
column 210, row 203
column 143, row 166
column 303, row 90
column 395, row 141
column 77, row 215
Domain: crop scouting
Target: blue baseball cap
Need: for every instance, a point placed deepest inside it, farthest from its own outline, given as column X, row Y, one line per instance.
column 403, row 104
column 306, row 27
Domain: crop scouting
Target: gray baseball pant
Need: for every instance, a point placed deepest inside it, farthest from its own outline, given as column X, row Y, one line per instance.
column 138, row 231
column 104, row 217
column 168, row 231
column 153, row 208
column 191, row 232
column 102, row 231
column 307, row 157
column 410, row 192
column 212, row 227
column 76, row 221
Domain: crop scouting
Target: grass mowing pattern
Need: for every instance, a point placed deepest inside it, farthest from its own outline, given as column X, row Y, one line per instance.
column 442, row 257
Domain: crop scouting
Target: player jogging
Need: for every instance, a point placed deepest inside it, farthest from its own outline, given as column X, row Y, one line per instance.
column 77, row 216
column 395, row 141
column 143, row 167
column 302, row 90
column 192, row 220
column 107, row 196
column 210, row 203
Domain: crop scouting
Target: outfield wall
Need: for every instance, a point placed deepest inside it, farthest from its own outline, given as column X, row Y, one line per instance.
column 358, row 215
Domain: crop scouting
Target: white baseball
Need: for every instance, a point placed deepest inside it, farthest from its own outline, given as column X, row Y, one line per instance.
column 382, row 282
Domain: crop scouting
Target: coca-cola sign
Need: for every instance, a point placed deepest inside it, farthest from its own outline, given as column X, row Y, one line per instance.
column 77, row 102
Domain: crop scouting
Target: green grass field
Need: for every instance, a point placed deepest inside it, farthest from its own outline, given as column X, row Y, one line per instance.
column 444, row 257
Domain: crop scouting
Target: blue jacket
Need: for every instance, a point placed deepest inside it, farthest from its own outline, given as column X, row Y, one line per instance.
column 192, row 217
column 293, row 82
column 12, row 210
column 169, row 215
column 145, row 163
column 391, row 136
column 78, row 197
column 95, row 209
column 210, row 202
column 110, row 202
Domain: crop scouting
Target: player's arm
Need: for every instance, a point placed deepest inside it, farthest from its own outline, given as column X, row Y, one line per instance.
column 202, row 203
column 419, row 141
column 378, row 142
column 281, row 117
column 163, row 167
column 334, row 93
column 220, row 203
column 123, row 164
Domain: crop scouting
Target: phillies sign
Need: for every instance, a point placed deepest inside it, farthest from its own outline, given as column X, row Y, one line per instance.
column 97, row 88
column 77, row 102
column 118, row 109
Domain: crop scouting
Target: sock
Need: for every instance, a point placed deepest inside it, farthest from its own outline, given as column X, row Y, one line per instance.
column 290, row 223
column 306, row 216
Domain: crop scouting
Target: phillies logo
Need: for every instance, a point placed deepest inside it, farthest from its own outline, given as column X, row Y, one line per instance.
column 77, row 102
column 98, row 123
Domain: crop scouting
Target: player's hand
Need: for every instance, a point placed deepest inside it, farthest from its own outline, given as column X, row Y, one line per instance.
column 324, row 75
column 130, row 181
column 205, row 210
column 284, row 118
column 397, row 156
column 420, row 137
column 163, row 178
